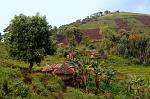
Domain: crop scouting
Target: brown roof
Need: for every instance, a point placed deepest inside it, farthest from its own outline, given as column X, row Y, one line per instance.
column 64, row 69
column 58, row 68
column 46, row 68
column 92, row 34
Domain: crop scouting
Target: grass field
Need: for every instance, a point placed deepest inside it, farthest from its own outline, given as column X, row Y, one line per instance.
column 109, row 20
column 126, row 67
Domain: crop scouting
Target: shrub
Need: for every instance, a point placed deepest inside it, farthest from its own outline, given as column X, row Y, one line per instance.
column 91, row 46
column 21, row 90
column 5, row 89
column 52, row 83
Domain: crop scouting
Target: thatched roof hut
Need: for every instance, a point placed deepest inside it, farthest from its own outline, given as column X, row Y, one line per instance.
column 46, row 68
column 49, row 67
column 64, row 71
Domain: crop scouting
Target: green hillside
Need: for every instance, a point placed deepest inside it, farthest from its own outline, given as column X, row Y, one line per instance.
column 126, row 37
column 109, row 20
column 110, row 67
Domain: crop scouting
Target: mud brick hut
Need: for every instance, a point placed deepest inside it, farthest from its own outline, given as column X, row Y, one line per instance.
column 64, row 71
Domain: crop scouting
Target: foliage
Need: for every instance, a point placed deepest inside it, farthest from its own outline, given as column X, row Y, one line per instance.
column 108, row 74
column 140, row 47
column 92, row 46
column 56, row 85
column 5, row 89
column 65, row 51
column 137, row 86
column 128, row 44
column 81, row 66
column 11, row 85
column 98, row 70
column 77, row 94
column 0, row 37
column 21, row 90
column 29, row 38
column 85, row 68
column 74, row 36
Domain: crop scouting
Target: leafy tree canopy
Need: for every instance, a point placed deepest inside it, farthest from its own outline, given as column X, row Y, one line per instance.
column 29, row 38
column 74, row 35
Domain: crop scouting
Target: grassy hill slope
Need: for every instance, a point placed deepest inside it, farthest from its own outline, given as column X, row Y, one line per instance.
column 109, row 20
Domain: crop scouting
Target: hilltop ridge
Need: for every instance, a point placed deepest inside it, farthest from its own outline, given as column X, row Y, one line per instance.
column 115, row 21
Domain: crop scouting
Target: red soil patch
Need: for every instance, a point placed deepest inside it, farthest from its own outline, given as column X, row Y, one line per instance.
column 92, row 34
column 121, row 24
column 144, row 19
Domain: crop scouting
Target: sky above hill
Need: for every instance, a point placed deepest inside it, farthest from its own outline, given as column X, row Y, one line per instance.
column 59, row 12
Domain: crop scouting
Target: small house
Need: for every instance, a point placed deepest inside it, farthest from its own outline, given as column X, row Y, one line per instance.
column 51, row 68
column 64, row 71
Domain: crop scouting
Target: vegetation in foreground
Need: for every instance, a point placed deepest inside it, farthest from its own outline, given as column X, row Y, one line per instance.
column 118, row 69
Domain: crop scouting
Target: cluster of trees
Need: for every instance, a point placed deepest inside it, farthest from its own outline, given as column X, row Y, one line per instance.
column 74, row 36
column 97, row 14
column 138, row 46
column 92, row 17
column 130, row 44
column 29, row 39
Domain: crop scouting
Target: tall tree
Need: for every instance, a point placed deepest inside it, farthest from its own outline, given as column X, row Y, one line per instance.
column 106, row 12
column 74, row 36
column 29, row 38
column 101, row 13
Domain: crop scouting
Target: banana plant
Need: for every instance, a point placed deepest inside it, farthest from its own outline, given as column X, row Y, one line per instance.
column 108, row 74
column 76, row 81
column 82, row 67
column 98, row 72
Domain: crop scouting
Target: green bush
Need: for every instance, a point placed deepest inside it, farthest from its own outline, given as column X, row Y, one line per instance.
column 77, row 94
column 21, row 90
column 52, row 83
